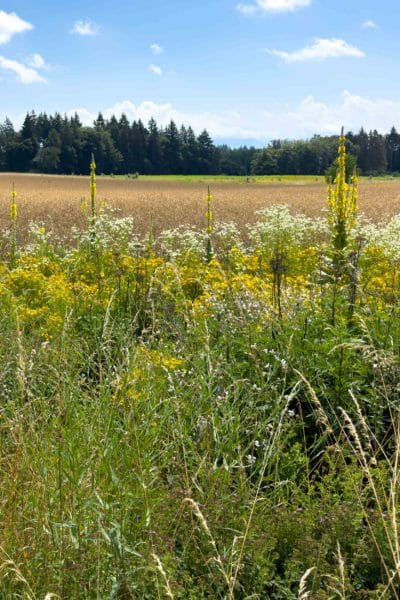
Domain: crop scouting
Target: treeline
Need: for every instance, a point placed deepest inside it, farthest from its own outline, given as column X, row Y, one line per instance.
column 372, row 152
column 61, row 144
column 57, row 144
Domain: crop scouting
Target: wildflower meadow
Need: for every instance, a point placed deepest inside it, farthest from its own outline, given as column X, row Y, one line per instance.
column 201, row 413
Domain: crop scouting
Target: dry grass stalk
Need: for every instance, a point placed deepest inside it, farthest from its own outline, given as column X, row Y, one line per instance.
column 217, row 557
column 9, row 567
column 303, row 593
column 321, row 416
column 161, row 570
column 384, row 505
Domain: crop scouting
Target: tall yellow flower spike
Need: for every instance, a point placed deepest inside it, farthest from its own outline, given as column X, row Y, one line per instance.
column 93, row 187
column 13, row 206
column 342, row 200
column 209, row 212
column 13, row 215
column 209, row 226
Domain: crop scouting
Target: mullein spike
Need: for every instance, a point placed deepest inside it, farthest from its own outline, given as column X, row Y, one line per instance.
column 342, row 199
column 93, row 187
column 93, row 207
column 209, row 227
column 150, row 237
column 14, row 217
column 13, row 208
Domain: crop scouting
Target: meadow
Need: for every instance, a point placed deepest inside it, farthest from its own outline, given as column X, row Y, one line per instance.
column 194, row 408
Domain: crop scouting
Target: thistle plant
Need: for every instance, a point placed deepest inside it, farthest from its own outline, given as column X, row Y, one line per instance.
column 209, row 227
column 14, row 217
column 342, row 200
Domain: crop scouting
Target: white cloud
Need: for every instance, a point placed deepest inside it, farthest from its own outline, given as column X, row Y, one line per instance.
column 246, row 9
column 10, row 24
column 155, row 70
column 302, row 120
column 313, row 116
column 272, row 6
column 320, row 49
column 226, row 125
column 156, row 49
column 25, row 74
column 369, row 25
column 36, row 61
column 85, row 28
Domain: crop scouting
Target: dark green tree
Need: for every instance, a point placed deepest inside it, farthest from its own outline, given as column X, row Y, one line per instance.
column 265, row 162
column 153, row 149
column 393, row 150
column 377, row 157
column 190, row 152
column 100, row 144
column 138, row 146
column 206, row 153
column 172, row 149
column 8, row 144
column 27, row 145
column 47, row 160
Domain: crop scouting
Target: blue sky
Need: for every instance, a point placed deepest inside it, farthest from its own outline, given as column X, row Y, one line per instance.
column 247, row 71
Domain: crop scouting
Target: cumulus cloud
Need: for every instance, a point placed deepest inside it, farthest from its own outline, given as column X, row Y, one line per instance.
column 302, row 120
column 272, row 6
column 36, row 61
column 223, row 125
column 320, row 49
column 369, row 24
column 11, row 24
column 155, row 70
column 25, row 75
column 86, row 28
column 156, row 49
column 314, row 116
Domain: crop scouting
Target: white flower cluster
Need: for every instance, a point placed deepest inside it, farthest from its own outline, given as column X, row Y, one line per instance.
column 227, row 236
column 182, row 241
column 39, row 238
column 111, row 233
column 385, row 236
column 280, row 229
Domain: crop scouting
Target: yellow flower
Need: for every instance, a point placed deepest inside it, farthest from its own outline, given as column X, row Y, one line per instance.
column 342, row 200
column 13, row 211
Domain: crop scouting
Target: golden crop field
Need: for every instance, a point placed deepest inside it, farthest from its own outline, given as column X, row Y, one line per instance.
column 56, row 200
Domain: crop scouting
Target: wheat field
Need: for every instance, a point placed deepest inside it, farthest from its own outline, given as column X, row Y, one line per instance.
column 56, row 200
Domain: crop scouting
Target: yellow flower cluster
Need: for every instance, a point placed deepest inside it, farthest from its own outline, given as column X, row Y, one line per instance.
column 148, row 365
column 342, row 200
column 13, row 207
